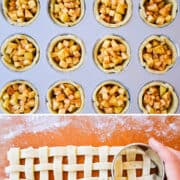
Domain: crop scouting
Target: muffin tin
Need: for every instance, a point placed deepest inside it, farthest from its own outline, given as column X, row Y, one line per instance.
column 88, row 75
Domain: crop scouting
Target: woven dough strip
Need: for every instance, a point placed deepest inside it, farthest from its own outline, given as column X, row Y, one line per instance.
column 58, row 166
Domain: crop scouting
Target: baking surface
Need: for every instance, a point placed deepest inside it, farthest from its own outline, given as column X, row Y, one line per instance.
column 42, row 76
column 36, row 131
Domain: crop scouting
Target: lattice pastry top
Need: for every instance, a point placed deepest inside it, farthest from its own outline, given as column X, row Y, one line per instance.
column 70, row 162
column 137, row 162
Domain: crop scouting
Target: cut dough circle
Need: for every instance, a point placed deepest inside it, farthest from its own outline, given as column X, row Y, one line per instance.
column 125, row 92
column 68, row 23
column 15, row 39
column 19, row 23
column 173, row 13
column 59, row 39
column 125, row 20
column 54, row 106
column 174, row 104
column 116, row 68
column 34, row 94
column 148, row 160
column 165, row 40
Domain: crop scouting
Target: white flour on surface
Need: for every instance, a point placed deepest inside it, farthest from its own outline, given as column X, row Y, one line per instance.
column 35, row 124
column 104, row 129
column 102, row 126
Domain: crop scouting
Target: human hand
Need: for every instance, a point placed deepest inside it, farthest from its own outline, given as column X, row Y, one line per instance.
column 170, row 157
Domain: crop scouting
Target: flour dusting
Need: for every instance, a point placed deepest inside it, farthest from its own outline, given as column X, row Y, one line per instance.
column 36, row 124
column 105, row 128
column 102, row 126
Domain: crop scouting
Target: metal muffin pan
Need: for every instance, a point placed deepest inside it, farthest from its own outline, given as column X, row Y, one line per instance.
column 89, row 76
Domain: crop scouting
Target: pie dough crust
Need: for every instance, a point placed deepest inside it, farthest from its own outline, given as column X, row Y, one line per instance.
column 63, row 82
column 143, row 13
column 20, row 36
column 60, row 38
column 150, row 159
column 118, row 68
column 162, row 39
column 175, row 100
column 20, row 82
column 5, row 10
column 125, row 20
column 95, row 102
column 68, row 24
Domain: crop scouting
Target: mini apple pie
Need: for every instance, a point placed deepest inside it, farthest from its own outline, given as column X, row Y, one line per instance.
column 21, row 12
column 158, row 98
column 66, row 53
column 113, row 13
column 19, row 97
column 137, row 161
column 20, row 52
column 65, row 97
column 112, row 54
column 157, row 54
column 66, row 12
column 158, row 13
column 111, row 97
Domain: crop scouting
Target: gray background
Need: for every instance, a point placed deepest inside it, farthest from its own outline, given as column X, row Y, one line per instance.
column 43, row 29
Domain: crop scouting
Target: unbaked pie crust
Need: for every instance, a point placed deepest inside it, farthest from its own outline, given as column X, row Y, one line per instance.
column 119, row 12
column 65, row 17
column 116, row 101
column 25, row 15
column 112, row 54
column 66, row 53
column 137, row 161
column 153, row 57
column 65, row 97
column 20, row 52
column 19, row 97
column 160, row 99
column 160, row 20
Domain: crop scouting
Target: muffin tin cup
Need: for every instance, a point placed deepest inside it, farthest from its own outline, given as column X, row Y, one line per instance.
column 61, row 37
column 4, row 9
column 89, row 30
column 69, row 24
column 174, row 47
column 110, row 25
column 119, row 68
column 37, row 103
column 30, row 39
column 142, row 146
column 175, row 103
column 78, row 86
column 143, row 14
column 111, row 82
